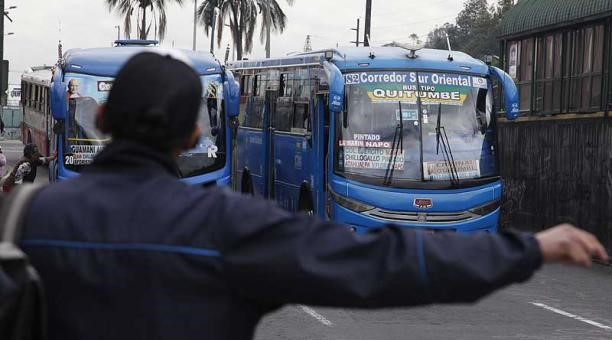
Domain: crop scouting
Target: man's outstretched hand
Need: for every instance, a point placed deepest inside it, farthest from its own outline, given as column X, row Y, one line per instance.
column 570, row 245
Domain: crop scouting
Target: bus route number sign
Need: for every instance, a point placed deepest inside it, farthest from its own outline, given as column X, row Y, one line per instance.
column 105, row 86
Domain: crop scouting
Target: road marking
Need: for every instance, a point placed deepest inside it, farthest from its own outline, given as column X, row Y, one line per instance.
column 316, row 315
column 570, row 315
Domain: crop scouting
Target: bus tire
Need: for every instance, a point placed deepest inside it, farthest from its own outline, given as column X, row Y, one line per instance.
column 246, row 183
column 305, row 203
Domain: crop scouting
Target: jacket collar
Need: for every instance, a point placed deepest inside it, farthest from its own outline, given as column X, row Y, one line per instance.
column 127, row 155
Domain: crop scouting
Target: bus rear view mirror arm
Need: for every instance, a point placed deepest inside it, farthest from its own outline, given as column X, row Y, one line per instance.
column 511, row 94
column 336, row 87
column 232, row 98
column 59, row 108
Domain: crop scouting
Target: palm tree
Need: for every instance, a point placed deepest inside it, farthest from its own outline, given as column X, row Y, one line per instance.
column 273, row 19
column 157, row 8
column 242, row 15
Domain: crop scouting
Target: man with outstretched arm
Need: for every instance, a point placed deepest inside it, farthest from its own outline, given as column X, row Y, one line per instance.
column 128, row 252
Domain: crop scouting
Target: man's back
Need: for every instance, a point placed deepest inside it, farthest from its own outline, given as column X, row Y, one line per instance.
column 129, row 255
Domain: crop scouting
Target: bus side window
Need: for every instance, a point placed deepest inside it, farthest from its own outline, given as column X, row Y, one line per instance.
column 301, row 117
column 258, row 87
column 253, row 117
column 286, row 85
column 36, row 96
column 23, row 86
column 481, row 111
column 246, row 86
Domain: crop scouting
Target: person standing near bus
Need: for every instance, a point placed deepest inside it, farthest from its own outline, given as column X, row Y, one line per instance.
column 25, row 169
column 2, row 162
column 126, row 251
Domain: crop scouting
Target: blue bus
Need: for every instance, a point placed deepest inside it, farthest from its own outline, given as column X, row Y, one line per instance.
column 369, row 136
column 82, row 81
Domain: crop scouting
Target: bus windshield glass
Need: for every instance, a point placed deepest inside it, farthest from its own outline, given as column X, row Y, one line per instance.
column 209, row 153
column 392, row 134
column 83, row 141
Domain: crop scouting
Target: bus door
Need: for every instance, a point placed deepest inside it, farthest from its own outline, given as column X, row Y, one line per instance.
column 292, row 143
column 251, row 163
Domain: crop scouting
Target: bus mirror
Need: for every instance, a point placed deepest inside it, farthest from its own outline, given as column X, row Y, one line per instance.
column 59, row 104
column 336, row 87
column 231, row 94
column 511, row 94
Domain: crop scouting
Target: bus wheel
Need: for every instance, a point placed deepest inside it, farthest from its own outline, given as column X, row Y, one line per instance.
column 305, row 203
column 246, row 184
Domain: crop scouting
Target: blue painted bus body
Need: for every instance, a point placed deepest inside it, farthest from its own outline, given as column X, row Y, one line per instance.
column 94, row 70
column 297, row 164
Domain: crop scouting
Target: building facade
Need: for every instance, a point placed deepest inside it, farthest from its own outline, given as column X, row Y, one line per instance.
column 557, row 157
column 558, row 52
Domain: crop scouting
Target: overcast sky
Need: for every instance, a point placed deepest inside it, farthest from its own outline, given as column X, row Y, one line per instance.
column 88, row 23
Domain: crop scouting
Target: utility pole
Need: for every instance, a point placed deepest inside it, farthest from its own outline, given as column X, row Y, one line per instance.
column 308, row 44
column 357, row 30
column 195, row 22
column 118, row 32
column 212, row 31
column 227, row 52
column 366, row 33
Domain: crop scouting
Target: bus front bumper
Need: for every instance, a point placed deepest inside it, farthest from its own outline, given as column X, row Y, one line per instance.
column 361, row 223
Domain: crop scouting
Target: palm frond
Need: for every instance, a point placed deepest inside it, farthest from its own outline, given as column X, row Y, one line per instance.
column 127, row 24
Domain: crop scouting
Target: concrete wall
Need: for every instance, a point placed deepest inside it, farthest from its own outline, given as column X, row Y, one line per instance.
column 12, row 117
column 558, row 170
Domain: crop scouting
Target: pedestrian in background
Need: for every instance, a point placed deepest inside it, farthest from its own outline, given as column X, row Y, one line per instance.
column 2, row 162
column 25, row 169
column 126, row 251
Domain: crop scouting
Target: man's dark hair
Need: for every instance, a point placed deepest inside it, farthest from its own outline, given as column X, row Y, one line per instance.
column 155, row 100
column 29, row 150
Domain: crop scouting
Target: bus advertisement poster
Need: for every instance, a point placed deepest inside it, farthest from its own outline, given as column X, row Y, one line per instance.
column 373, row 158
column 439, row 170
column 82, row 154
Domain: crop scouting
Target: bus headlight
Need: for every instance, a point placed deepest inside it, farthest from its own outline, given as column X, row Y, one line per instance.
column 486, row 208
column 350, row 204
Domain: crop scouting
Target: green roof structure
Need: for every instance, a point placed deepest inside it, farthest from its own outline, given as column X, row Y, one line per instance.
column 529, row 16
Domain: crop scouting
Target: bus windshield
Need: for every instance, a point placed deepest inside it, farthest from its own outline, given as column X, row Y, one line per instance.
column 393, row 135
column 83, row 141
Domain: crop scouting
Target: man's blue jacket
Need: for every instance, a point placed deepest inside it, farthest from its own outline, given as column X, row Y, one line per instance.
column 126, row 251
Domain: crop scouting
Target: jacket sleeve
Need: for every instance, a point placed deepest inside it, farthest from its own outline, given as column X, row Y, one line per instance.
column 272, row 256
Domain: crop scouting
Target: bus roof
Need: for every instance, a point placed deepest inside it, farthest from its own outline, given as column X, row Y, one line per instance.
column 358, row 58
column 107, row 61
column 40, row 75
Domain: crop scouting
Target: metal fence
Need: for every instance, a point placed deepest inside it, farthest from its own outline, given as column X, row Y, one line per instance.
column 558, row 171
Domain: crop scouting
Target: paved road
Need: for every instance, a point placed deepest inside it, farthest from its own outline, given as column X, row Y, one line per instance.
column 558, row 303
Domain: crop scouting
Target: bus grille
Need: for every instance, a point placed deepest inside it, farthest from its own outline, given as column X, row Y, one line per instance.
column 421, row 217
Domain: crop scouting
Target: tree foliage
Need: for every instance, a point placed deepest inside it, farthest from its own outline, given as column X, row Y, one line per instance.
column 475, row 29
column 241, row 16
column 142, row 8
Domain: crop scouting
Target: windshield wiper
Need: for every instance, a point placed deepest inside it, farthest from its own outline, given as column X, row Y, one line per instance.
column 447, row 153
column 397, row 142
